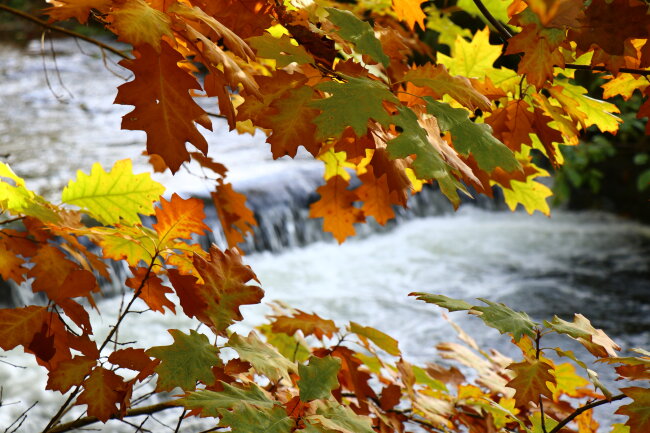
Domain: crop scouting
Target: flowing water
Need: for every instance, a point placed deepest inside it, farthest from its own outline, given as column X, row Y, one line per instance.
column 591, row 263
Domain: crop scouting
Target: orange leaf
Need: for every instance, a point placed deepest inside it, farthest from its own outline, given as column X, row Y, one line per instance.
column 377, row 199
column 18, row 325
column 137, row 23
column 236, row 219
column 309, row 324
column 540, row 55
column 153, row 292
column 80, row 9
column 638, row 411
column 134, row 359
column 530, row 381
column 69, row 373
column 102, row 391
column 409, row 11
column 336, row 208
column 164, row 108
column 11, row 266
column 179, row 218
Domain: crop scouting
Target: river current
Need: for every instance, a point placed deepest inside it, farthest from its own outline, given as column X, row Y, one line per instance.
column 592, row 263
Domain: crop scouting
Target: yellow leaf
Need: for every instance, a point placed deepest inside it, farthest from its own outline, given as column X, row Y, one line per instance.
column 114, row 197
column 335, row 164
column 17, row 199
column 532, row 195
column 586, row 110
column 472, row 59
column 138, row 23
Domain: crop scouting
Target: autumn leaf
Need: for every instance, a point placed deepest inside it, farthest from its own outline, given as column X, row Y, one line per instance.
column 336, row 208
column 18, row 325
column 506, row 320
column 151, row 290
column 439, row 82
column 80, row 9
column 264, row 358
column 595, row 340
column 224, row 289
column 318, row 379
column 309, row 324
column 469, row 137
column 179, row 218
column 531, row 381
column 337, row 113
column 212, row 403
column 237, row 220
column 442, row 301
column 102, row 392
column 114, row 197
column 69, row 373
column 334, row 416
column 134, row 359
column 247, row 419
column 383, row 341
column 540, row 53
column 137, row 23
column 473, row 59
column 133, row 244
column 164, row 108
column 377, row 198
column 188, row 359
column 638, row 411
column 409, row 11
column 359, row 33
column 281, row 49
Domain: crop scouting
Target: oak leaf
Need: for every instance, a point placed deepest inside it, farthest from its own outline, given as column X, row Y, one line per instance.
column 262, row 356
column 336, row 208
column 377, row 198
column 531, row 381
column 638, row 411
column 188, row 359
column 18, row 325
column 137, row 23
column 281, row 49
column 247, row 419
column 505, row 320
column 409, row 11
column 102, row 392
column 237, row 220
column 541, row 53
column 134, row 359
column 594, row 340
column 80, row 9
column 152, row 291
column 473, row 59
column 383, row 341
column 164, row 108
column 309, row 324
column 113, row 197
column 69, row 373
column 211, row 403
column 359, row 33
column 318, row 379
column 179, row 218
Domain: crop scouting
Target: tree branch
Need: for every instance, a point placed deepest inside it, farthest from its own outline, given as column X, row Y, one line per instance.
column 507, row 34
column 87, row 420
column 495, row 22
column 585, row 408
column 58, row 29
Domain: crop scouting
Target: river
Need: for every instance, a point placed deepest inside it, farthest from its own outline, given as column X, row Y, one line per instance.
column 592, row 263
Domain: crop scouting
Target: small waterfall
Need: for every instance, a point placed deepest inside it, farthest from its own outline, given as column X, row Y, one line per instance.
column 280, row 203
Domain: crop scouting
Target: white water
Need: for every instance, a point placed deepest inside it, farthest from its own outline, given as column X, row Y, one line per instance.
column 589, row 263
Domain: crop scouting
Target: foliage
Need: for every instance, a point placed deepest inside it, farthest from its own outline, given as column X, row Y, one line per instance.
column 366, row 97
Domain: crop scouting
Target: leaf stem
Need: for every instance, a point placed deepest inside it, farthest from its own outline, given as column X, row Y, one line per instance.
column 62, row 30
column 585, row 408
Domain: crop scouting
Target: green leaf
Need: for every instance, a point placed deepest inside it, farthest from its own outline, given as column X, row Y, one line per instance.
column 318, row 379
column 264, row 358
column 211, row 403
column 474, row 138
column 413, row 140
column 359, row 33
column 383, row 341
column 282, row 50
column 505, row 320
column 352, row 103
column 334, row 416
column 643, row 181
column 188, row 359
column 247, row 419
column 114, row 197
column 422, row 377
column 289, row 346
column 442, row 301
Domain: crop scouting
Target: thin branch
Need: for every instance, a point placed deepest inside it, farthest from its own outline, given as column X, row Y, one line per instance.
column 635, row 71
column 87, row 420
column 11, row 220
column 495, row 22
column 58, row 29
column 585, row 408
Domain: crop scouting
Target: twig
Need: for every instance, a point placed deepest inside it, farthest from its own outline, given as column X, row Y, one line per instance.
column 67, row 32
column 11, row 220
column 22, row 417
column 585, row 408
column 180, row 421
column 495, row 22
column 87, row 420
column 635, row 71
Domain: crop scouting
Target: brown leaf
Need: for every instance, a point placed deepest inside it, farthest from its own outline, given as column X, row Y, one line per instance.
column 336, row 208
column 102, row 392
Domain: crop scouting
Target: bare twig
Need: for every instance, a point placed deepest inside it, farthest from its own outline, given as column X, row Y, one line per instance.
column 11, row 220
column 585, row 408
column 22, row 417
column 88, row 420
column 58, row 29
